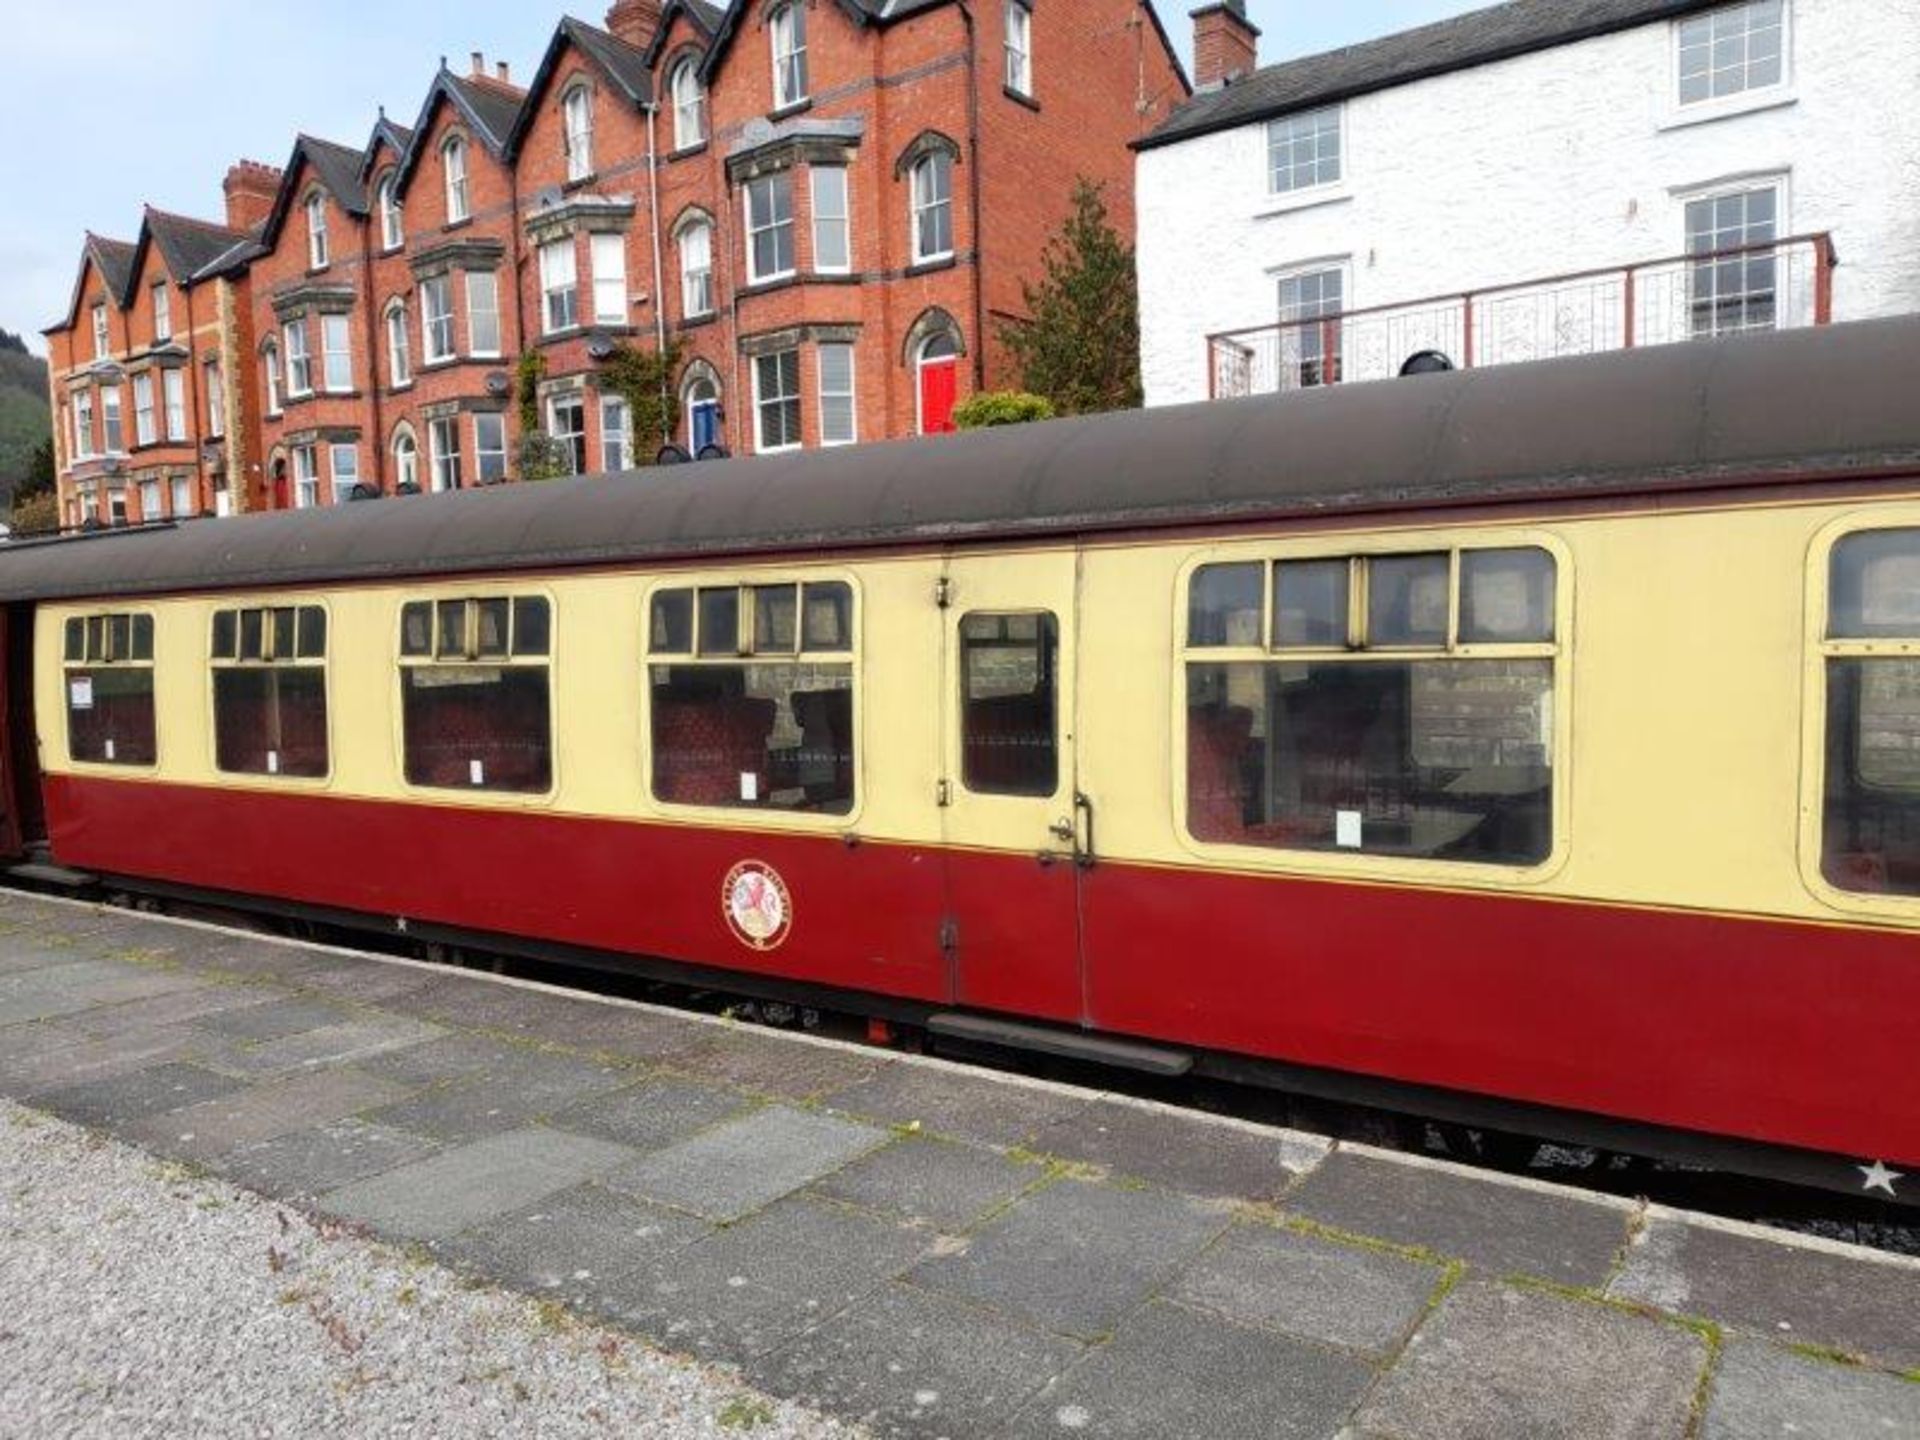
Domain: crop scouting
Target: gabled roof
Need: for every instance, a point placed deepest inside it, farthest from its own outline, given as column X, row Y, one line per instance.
column 336, row 167
column 490, row 108
column 625, row 68
column 187, row 246
column 114, row 260
column 385, row 132
column 1480, row 37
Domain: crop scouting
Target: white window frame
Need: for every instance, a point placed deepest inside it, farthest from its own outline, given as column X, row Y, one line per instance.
column 216, row 400
column 173, row 404
column 102, row 341
column 343, row 479
column 437, row 320
column 1315, row 188
column 336, row 354
column 932, row 163
column 1019, row 48
column 144, row 432
column 483, row 450
column 559, row 287
column 149, row 501
column 576, row 125
column 574, row 440
column 83, row 425
column 615, row 454
column 276, row 381
column 607, row 258
column 406, row 459
column 443, row 460
column 180, row 497
column 299, row 360
column 689, row 104
column 453, row 166
column 162, row 311
column 399, row 346
column 1779, row 182
column 826, row 222
column 787, row 35
column 761, row 400
column 306, row 476
column 696, row 282
column 483, row 304
column 393, row 223
column 1748, row 95
column 1289, row 351
column 772, row 182
column 318, row 253
column 112, row 420
column 830, row 398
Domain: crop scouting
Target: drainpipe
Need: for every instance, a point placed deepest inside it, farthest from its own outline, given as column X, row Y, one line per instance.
column 973, row 201
column 378, row 442
column 196, row 408
column 659, row 274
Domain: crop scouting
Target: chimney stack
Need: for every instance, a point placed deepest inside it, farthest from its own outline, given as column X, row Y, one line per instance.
column 250, row 188
column 479, row 65
column 634, row 21
column 1225, row 44
column 506, row 74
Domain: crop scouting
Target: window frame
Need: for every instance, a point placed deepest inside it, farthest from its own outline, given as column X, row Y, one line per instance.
column 851, row 394
column 276, row 378
column 431, row 321
column 399, row 345
column 393, row 223
column 173, row 404
column 787, row 26
column 1734, row 101
column 453, row 174
column 214, row 373
column 399, row 660
column 796, row 398
column 57, row 645
column 853, row 656
column 576, row 131
column 554, row 286
column 610, row 302
column 303, row 359
column 687, row 133
column 1018, row 79
column 482, row 451
column 755, row 276
column 437, row 455
column 932, row 162
column 491, row 309
column 340, row 327
column 145, row 430
column 704, row 227
column 1411, row 869
column 162, row 311
column 319, row 247
column 574, row 440
column 1313, row 189
column 610, row 404
column 277, row 601
column 844, row 219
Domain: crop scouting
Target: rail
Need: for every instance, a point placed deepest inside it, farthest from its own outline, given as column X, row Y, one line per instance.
column 1773, row 285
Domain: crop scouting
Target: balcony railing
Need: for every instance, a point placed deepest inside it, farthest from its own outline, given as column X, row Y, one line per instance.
column 1777, row 285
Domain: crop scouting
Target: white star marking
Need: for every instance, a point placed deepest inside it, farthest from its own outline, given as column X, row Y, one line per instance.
column 1879, row 1177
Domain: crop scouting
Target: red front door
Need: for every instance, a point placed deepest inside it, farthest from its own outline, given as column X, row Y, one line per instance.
column 938, row 379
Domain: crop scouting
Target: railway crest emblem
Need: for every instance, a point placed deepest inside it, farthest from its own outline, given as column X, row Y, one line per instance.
column 754, row 899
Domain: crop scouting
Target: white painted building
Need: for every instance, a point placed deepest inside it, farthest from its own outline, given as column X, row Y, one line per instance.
column 1437, row 187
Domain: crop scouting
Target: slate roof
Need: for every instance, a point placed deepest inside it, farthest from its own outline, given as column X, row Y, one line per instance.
column 627, row 69
column 114, row 258
column 338, row 167
column 395, row 135
column 490, row 105
column 188, row 246
column 1479, row 37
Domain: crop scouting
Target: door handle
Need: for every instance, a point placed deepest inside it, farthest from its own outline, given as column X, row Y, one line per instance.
column 1083, row 855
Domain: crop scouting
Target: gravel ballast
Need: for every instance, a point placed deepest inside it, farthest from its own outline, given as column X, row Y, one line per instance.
column 138, row 1299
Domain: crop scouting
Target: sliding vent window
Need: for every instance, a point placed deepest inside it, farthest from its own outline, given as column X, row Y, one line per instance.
column 1385, row 704
column 270, row 691
column 1870, row 821
column 109, row 678
column 1008, row 704
column 752, row 696
column 474, row 694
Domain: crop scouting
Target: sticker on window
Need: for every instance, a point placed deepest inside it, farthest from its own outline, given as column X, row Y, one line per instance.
column 80, row 691
column 477, row 772
column 749, row 785
column 1346, row 829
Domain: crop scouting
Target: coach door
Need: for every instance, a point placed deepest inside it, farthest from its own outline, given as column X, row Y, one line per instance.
column 1016, row 831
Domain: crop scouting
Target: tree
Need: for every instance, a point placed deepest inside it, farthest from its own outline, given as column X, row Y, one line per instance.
column 39, row 477
column 1081, row 349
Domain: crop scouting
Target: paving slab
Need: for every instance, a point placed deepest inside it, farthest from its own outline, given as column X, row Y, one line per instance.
column 738, row 1167
column 753, row 1286
column 451, row 1057
column 119, row 1100
column 304, row 1164
column 281, row 1017
column 908, row 1362
column 770, row 1065
column 1075, row 1257
column 654, row 1113
column 950, row 1102
column 1501, row 1362
column 1761, row 1391
column 459, row 1188
column 85, row 1059
column 1170, row 1371
column 944, row 1183
column 1502, row 1228
column 522, row 1087
column 179, row 1007
column 1851, row 1301
column 624, row 1032
column 342, row 1044
column 570, row 1245
column 366, row 982
column 1188, row 1152
column 1317, row 1289
column 261, row 1112
column 82, row 985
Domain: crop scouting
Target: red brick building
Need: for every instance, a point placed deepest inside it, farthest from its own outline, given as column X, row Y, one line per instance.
column 824, row 210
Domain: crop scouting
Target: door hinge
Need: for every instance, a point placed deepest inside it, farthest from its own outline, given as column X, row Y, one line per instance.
column 943, row 592
column 949, row 935
column 943, row 793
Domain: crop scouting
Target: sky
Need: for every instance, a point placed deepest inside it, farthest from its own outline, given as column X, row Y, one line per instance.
column 112, row 104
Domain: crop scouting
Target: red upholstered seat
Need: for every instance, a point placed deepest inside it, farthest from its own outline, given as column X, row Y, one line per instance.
column 1218, row 738
column 701, row 748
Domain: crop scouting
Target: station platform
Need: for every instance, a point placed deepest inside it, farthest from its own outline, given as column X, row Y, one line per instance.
column 919, row 1248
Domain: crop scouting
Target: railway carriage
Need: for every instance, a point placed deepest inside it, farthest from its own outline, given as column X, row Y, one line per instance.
column 1535, row 747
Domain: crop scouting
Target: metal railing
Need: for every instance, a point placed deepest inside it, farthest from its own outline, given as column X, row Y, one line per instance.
column 1776, row 285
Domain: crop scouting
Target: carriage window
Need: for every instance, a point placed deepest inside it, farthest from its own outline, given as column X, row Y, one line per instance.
column 109, row 679
column 1870, row 832
column 752, row 696
column 1007, row 703
column 270, row 691
column 1403, row 706
column 474, row 693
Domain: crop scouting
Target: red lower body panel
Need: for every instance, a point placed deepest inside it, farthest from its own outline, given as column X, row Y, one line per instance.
column 1789, row 1033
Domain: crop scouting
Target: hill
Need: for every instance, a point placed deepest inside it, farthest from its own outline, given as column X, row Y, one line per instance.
column 25, row 422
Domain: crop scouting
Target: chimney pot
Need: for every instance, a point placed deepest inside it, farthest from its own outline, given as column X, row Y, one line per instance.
column 1225, row 44
column 504, row 72
column 480, row 63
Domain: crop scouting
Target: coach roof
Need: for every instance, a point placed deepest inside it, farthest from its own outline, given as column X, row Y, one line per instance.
column 1751, row 410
